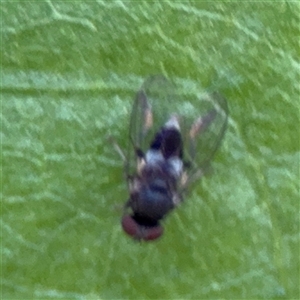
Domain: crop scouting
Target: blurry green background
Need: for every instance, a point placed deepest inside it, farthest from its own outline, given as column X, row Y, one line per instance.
column 69, row 74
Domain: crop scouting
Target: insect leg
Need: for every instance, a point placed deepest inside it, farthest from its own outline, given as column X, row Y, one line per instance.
column 143, row 114
column 118, row 149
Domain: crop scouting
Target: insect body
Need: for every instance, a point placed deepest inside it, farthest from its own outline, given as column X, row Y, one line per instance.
column 171, row 145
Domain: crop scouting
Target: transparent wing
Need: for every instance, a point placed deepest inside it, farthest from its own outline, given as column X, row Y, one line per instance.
column 205, row 134
column 203, row 119
column 150, row 110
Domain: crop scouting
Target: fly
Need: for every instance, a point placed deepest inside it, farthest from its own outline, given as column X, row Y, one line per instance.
column 171, row 146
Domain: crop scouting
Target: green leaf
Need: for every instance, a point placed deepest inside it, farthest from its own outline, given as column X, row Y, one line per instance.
column 69, row 75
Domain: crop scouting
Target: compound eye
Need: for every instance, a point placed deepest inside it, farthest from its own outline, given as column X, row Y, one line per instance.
column 140, row 232
column 153, row 233
column 130, row 226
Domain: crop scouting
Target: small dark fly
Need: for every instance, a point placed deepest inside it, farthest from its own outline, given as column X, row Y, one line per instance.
column 174, row 133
